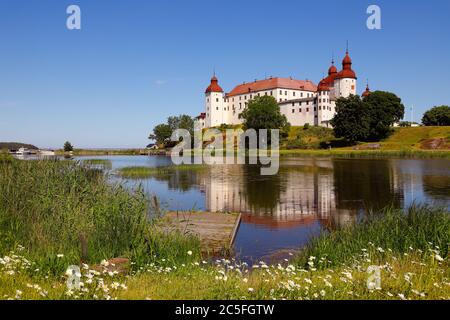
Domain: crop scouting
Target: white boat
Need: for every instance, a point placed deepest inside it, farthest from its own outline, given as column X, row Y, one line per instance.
column 46, row 152
column 23, row 151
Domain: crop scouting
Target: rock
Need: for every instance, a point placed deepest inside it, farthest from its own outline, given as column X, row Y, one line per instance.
column 435, row 144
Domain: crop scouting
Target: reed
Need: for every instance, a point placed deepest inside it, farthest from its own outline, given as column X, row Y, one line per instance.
column 146, row 172
column 98, row 163
column 390, row 231
column 46, row 205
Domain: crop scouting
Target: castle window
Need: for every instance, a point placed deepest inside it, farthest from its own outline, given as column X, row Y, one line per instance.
column 245, row 97
column 207, row 100
column 293, row 93
column 217, row 108
column 293, row 110
column 271, row 93
column 265, row 93
column 300, row 110
column 307, row 109
column 217, row 99
column 285, row 93
column 315, row 109
column 293, row 104
column 320, row 108
column 301, row 94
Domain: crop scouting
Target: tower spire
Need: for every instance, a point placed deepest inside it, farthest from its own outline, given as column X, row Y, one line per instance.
column 346, row 50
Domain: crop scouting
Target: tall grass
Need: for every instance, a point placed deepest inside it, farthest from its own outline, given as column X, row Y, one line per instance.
column 98, row 163
column 50, row 206
column 394, row 231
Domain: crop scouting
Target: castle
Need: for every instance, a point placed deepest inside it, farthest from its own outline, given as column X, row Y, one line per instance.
column 301, row 101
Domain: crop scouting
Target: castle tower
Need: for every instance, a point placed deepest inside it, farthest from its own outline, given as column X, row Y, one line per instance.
column 367, row 92
column 345, row 80
column 216, row 112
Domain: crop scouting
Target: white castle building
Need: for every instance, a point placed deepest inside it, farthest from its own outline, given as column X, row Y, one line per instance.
column 301, row 101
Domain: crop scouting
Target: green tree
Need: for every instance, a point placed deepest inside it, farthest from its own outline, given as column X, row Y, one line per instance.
column 182, row 121
column 384, row 109
column 68, row 147
column 351, row 120
column 437, row 116
column 369, row 119
column 161, row 134
column 263, row 113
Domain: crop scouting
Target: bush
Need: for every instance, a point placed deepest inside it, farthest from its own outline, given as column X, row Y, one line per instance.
column 437, row 116
column 68, row 147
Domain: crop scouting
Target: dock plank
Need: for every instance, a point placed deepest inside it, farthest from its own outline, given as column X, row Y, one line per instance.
column 216, row 231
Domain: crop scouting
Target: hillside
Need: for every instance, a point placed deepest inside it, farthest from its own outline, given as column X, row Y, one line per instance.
column 16, row 146
column 419, row 138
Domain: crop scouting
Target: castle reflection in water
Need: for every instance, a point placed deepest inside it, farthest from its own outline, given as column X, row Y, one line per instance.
column 334, row 192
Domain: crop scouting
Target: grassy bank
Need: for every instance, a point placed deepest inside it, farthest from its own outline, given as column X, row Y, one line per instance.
column 145, row 172
column 58, row 207
column 411, row 267
column 395, row 232
column 346, row 153
column 101, row 152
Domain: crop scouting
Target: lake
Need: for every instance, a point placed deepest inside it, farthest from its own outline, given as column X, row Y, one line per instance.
column 307, row 197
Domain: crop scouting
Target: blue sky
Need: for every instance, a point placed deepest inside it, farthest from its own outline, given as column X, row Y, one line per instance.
column 134, row 63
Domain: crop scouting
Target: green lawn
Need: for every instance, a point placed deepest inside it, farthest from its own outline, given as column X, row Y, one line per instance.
column 411, row 138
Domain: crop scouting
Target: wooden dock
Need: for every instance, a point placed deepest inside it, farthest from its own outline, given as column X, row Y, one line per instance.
column 216, row 231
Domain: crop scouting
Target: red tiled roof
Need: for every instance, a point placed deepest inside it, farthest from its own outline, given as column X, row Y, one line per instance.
column 347, row 71
column 346, row 74
column 214, row 86
column 273, row 83
column 323, row 86
column 367, row 92
column 332, row 69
